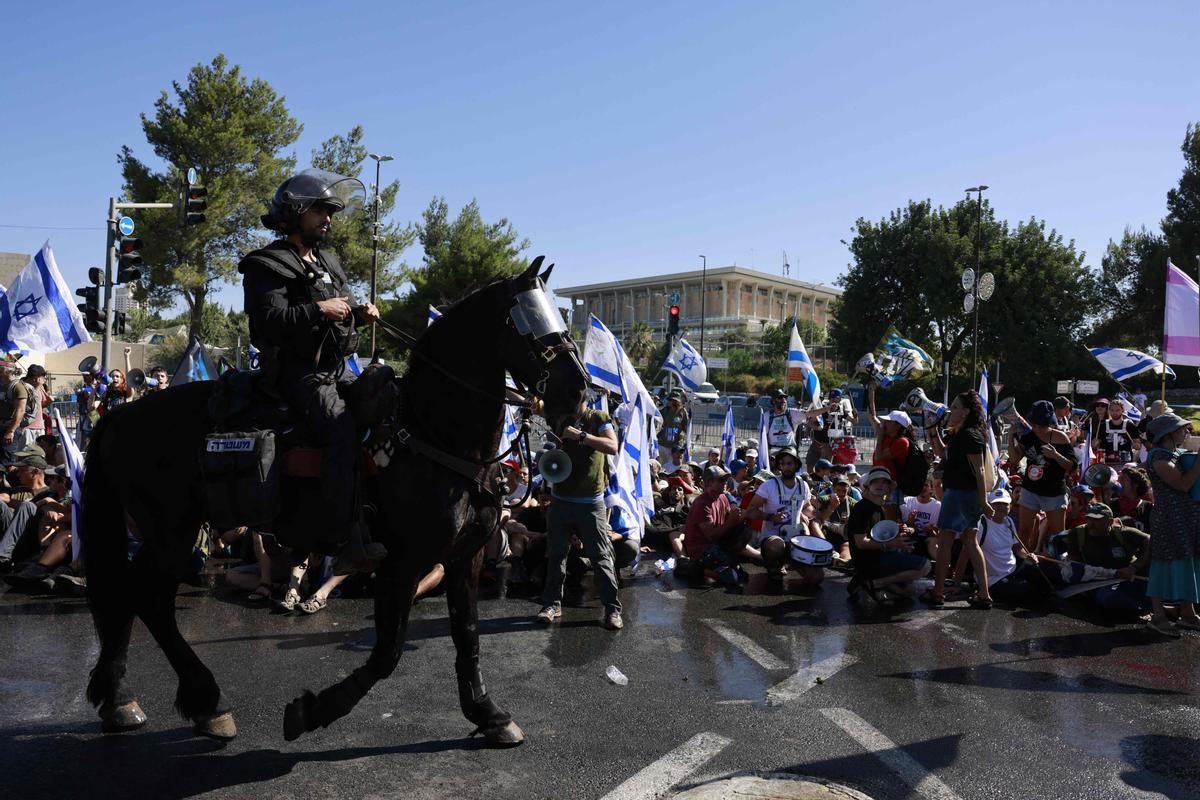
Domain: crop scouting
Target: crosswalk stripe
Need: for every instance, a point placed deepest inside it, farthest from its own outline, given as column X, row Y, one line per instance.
column 806, row 677
column 764, row 658
column 657, row 778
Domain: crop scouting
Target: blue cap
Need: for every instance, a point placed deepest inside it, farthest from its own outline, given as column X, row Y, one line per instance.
column 735, row 465
column 1042, row 413
column 823, row 463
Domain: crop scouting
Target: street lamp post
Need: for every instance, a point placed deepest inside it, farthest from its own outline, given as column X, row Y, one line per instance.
column 975, row 288
column 375, row 244
column 703, row 292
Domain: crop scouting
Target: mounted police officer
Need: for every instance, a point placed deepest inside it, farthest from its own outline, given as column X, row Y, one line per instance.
column 303, row 318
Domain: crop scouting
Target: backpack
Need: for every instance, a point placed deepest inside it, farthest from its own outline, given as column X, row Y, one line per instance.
column 915, row 471
column 33, row 405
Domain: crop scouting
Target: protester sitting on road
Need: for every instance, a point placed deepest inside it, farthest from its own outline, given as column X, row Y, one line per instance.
column 832, row 513
column 1102, row 541
column 737, row 474
column 714, row 456
column 683, row 479
column 19, row 513
column 1049, row 459
column 1081, row 497
column 820, row 478
column 715, row 536
column 783, row 500
column 1116, row 436
column 964, row 498
column 51, row 529
column 1135, row 500
column 920, row 512
column 319, row 599
column 665, row 530
column 783, row 422
column 879, row 567
column 1175, row 527
column 51, row 451
column 894, row 438
column 626, row 537
column 675, row 462
column 1014, row 573
column 751, row 459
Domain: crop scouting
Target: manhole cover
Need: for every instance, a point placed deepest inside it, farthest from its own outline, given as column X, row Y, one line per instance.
column 771, row 786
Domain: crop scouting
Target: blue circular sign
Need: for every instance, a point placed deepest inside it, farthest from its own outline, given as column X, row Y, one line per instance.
column 125, row 226
column 192, row 175
column 674, row 298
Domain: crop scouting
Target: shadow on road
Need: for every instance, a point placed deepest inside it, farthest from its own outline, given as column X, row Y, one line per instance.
column 993, row 676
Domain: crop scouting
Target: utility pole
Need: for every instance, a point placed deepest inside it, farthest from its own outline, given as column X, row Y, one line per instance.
column 703, row 292
column 118, row 229
column 375, row 244
column 975, row 288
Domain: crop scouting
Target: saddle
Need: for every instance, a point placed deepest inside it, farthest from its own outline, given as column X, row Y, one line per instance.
column 259, row 461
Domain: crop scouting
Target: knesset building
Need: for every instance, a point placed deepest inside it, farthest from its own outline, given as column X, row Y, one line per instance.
column 737, row 297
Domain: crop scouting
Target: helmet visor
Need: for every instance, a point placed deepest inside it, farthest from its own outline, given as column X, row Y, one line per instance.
column 317, row 186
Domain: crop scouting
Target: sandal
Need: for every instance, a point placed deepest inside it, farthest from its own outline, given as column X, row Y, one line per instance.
column 931, row 598
column 1188, row 625
column 313, row 604
column 982, row 603
column 261, row 593
column 1163, row 629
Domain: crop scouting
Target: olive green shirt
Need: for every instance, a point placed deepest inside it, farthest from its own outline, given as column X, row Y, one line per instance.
column 11, row 394
column 588, row 467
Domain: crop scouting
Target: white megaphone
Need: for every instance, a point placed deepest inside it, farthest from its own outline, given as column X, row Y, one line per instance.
column 1006, row 410
column 554, row 466
column 872, row 371
column 934, row 413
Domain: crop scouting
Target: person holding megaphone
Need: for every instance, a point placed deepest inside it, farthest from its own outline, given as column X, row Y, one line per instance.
column 577, row 509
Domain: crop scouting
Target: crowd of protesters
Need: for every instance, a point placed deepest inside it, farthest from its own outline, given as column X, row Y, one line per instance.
column 934, row 519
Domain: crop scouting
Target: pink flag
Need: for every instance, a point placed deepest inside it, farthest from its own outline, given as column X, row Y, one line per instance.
column 1181, row 323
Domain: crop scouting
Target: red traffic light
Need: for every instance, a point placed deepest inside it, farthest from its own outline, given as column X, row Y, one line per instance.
column 128, row 244
column 675, row 311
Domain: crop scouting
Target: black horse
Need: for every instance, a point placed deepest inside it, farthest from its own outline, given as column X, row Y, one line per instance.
column 435, row 505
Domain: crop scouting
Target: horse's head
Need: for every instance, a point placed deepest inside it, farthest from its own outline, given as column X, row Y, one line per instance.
column 537, row 349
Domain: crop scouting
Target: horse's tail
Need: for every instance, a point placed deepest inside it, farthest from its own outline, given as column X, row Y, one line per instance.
column 105, row 557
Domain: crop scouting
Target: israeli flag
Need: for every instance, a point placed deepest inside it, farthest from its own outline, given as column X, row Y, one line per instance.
column 195, row 364
column 36, row 313
column 764, row 453
column 434, row 315
column 1122, row 364
column 687, row 364
column 993, row 448
column 800, row 367
column 628, row 486
column 508, row 429
column 252, row 357
column 1131, row 410
column 74, row 460
column 609, row 366
column 353, row 365
column 728, row 438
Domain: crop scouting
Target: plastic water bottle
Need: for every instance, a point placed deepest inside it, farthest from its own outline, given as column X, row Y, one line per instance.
column 616, row 676
column 664, row 565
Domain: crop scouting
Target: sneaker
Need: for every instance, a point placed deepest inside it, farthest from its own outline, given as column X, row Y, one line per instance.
column 32, row 579
column 612, row 620
column 549, row 614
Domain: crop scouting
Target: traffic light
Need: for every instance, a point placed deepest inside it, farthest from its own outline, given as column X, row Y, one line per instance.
column 128, row 259
column 195, row 201
column 119, row 322
column 93, row 319
column 673, row 321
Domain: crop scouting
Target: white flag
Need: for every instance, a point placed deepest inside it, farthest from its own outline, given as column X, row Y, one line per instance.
column 74, row 460
column 37, row 313
column 800, row 367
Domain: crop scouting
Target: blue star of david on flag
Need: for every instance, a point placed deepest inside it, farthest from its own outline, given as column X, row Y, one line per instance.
column 687, row 364
column 27, row 323
column 25, row 308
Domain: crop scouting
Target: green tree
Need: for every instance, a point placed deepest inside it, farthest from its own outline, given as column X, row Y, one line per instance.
column 458, row 257
column 1133, row 273
column 350, row 235
column 639, row 342
column 1181, row 227
column 777, row 338
column 907, row 272
column 234, row 131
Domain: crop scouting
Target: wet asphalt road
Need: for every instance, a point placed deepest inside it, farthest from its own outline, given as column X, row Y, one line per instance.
column 916, row 703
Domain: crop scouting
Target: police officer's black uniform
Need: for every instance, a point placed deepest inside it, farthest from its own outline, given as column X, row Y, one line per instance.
column 302, row 354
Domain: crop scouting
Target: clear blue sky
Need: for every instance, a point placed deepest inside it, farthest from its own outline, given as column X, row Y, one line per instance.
column 627, row 138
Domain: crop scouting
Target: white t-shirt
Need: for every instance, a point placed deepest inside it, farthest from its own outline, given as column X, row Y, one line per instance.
column 781, row 428
column 776, row 496
column 670, row 468
column 838, row 419
column 996, row 539
column 927, row 513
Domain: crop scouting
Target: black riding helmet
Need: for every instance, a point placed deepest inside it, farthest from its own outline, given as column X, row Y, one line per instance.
column 304, row 190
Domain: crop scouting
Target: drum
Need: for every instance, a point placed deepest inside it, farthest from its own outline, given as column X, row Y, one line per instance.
column 844, row 451
column 811, row 550
column 1185, row 463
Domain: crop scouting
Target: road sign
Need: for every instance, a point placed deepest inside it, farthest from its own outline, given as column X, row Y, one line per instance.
column 125, row 226
column 968, row 279
column 718, row 363
column 987, row 285
column 674, row 298
column 192, row 175
column 1065, row 387
column 1087, row 387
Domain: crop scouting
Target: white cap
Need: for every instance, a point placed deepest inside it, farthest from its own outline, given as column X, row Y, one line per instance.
column 877, row 473
column 999, row 496
column 900, row 418
column 752, row 452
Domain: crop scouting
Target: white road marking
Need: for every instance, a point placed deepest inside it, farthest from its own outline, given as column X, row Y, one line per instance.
column 671, row 594
column 807, row 677
column 887, row 751
column 657, row 778
column 764, row 658
column 920, row 617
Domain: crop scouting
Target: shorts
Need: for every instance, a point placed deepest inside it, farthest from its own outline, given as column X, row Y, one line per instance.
column 893, row 561
column 960, row 510
column 1037, row 502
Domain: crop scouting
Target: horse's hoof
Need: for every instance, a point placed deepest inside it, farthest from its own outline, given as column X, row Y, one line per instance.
column 508, row 735
column 127, row 716
column 218, row 726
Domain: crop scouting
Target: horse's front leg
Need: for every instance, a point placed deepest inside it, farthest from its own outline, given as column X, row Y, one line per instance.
column 496, row 725
column 393, row 602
